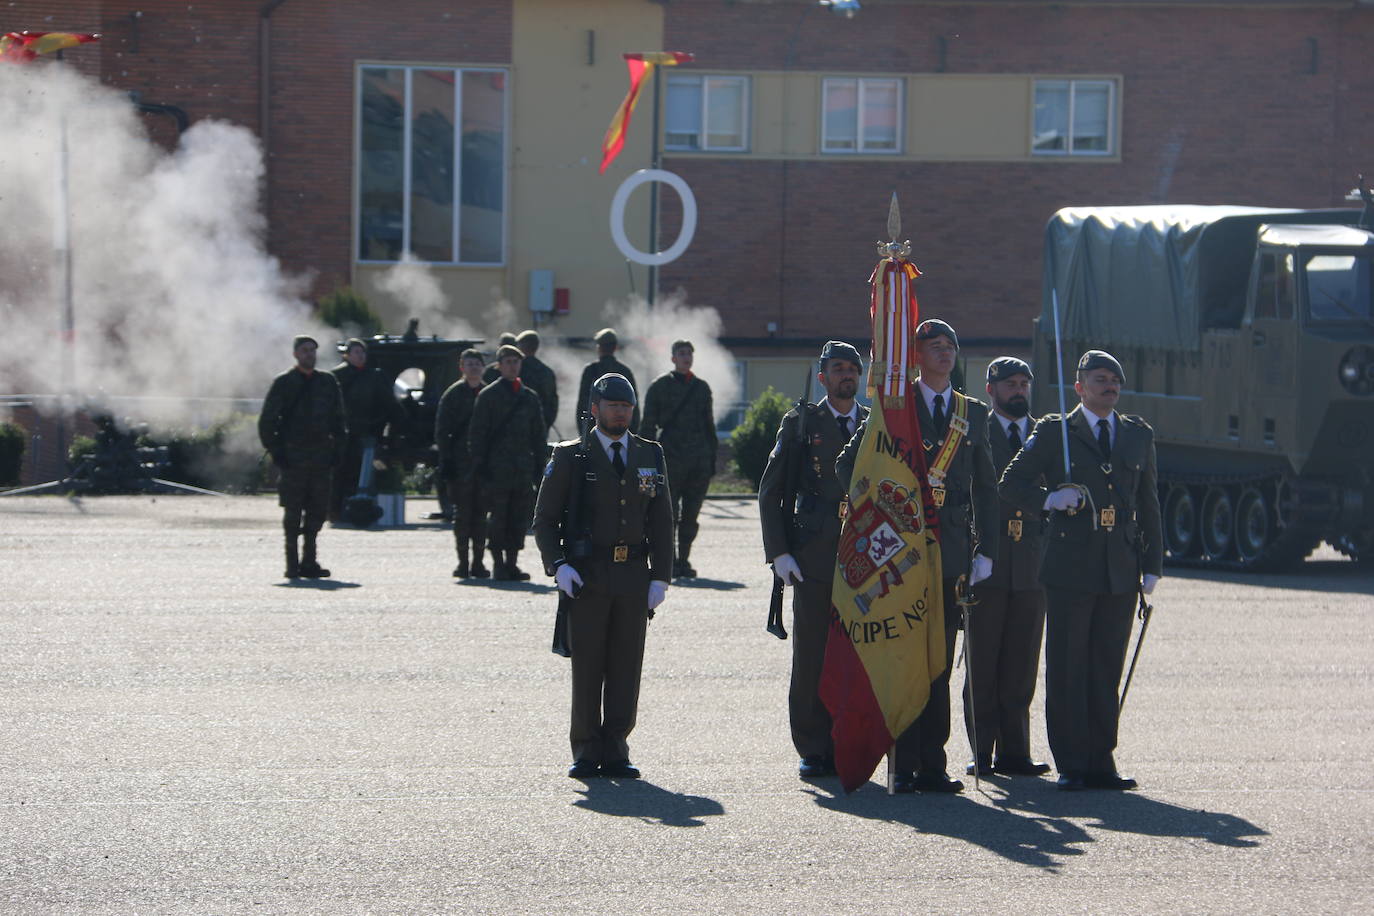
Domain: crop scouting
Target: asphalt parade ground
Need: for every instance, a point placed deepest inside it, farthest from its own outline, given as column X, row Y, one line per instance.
column 184, row 731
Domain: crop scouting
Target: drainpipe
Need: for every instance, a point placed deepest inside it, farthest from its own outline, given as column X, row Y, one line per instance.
column 264, row 99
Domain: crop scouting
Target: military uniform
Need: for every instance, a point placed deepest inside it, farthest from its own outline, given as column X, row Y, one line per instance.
column 303, row 426
column 678, row 413
column 812, row 538
column 1090, row 575
column 369, row 404
column 506, row 447
column 1008, row 624
column 537, row 375
column 605, row 365
column 451, row 422
column 970, row 494
column 628, row 521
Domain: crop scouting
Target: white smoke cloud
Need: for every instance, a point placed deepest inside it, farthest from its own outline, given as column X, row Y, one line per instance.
column 176, row 301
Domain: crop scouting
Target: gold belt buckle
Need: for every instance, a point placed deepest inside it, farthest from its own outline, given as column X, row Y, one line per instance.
column 620, row 553
column 1014, row 528
column 939, row 494
column 842, row 511
column 1108, row 518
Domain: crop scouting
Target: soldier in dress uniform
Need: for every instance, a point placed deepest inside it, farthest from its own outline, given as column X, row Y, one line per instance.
column 370, row 404
column 678, row 413
column 506, row 447
column 536, row 374
column 964, row 485
column 1103, row 544
column 605, row 363
column 800, row 540
column 1009, row 620
column 302, row 426
column 451, row 422
column 620, row 577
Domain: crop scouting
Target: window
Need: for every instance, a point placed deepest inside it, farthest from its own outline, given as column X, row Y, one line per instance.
column 861, row 116
column 1074, row 118
column 1274, row 296
column 1338, row 288
column 707, row 113
column 431, row 164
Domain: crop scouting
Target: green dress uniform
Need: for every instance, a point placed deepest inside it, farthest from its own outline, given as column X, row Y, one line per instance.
column 369, row 405
column 678, row 413
column 1090, row 575
column 605, row 365
column 1008, row 623
column 451, row 422
column 812, row 538
column 506, row 447
column 970, row 487
column 628, row 520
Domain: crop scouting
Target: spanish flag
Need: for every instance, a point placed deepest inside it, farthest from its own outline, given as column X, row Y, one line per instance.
column 886, row 641
column 22, row 47
column 641, row 64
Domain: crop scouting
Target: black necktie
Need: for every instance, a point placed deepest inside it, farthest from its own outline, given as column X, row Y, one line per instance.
column 1014, row 437
column 844, row 426
column 618, row 461
column 1104, row 439
column 938, row 414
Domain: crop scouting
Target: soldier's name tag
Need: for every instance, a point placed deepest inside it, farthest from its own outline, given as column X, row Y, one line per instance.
column 1014, row 528
column 939, row 494
column 648, row 481
column 1108, row 518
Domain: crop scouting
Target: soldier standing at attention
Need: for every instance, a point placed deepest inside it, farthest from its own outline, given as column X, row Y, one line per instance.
column 302, row 426
column 678, row 413
column 628, row 524
column 1099, row 553
column 493, row 370
column 451, row 423
column 369, row 405
column 801, row 547
column 1009, row 621
column 506, row 446
column 605, row 364
column 964, row 486
column 536, row 374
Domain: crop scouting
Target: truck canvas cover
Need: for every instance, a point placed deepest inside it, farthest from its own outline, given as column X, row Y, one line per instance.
column 1155, row 276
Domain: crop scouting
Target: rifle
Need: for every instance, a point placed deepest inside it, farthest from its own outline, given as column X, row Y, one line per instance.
column 963, row 592
column 576, row 544
column 789, row 503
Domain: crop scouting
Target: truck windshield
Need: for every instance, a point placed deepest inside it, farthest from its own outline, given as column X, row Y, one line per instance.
column 1338, row 288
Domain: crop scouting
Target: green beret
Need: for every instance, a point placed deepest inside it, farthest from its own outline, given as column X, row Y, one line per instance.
column 934, row 327
column 1004, row 367
column 838, row 349
column 1100, row 359
column 508, row 350
column 613, row 387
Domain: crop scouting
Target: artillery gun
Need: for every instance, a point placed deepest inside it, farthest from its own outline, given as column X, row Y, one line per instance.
column 1247, row 339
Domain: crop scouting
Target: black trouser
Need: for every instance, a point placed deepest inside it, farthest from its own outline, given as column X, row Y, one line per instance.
column 921, row 748
column 1004, row 660
column 1086, row 636
column 303, row 493
column 346, row 475
column 469, row 508
column 809, row 718
column 688, row 491
column 607, row 623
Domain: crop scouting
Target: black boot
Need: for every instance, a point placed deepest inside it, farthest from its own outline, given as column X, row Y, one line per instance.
column 478, row 548
column 462, row 571
column 499, row 571
column 293, row 559
column 680, row 566
column 516, row 573
column 310, row 567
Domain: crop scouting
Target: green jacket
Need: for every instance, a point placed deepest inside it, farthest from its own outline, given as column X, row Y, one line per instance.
column 451, row 421
column 1018, row 560
column 369, row 401
column 678, row 413
column 506, row 436
column 535, row 374
column 302, row 419
column 1077, row 557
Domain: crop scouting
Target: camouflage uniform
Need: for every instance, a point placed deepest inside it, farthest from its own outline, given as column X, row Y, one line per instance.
column 451, row 422
column 604, row 366
column 536, row 375
column 506, row 446
column 678, row 413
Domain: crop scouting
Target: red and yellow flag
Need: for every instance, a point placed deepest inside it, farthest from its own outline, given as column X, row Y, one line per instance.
column 641, row 65
column 22, row 47
column 887, row 632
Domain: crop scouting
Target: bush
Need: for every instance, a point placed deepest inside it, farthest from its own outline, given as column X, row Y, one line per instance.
column 11, row 454
column 225, row 457
column 752, row 441
column 346, row 310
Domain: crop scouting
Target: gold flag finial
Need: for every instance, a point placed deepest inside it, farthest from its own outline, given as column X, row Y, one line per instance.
column 893, row 248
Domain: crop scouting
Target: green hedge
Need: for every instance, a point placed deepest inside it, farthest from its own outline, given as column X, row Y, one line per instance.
column 12, row 441
column 752, row 441
column 348, row 311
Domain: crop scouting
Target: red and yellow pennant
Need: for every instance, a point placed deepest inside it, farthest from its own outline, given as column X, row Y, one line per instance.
column 887, row 634
column 22, row 47
column 641, row 65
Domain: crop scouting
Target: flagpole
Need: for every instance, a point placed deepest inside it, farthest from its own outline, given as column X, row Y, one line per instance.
column 654, row 163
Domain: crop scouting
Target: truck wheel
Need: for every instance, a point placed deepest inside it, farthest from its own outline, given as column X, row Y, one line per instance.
column 1254, row 522
column 1180, row 522
column 1218, row 523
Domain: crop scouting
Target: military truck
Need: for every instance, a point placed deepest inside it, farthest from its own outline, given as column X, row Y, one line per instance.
column 1247, row 339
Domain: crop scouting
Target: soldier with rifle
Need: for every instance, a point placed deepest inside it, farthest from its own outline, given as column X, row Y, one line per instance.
column 451, row 422
column 303, row 428
column 1094, row 471
column 964, row 485
column 678, row 413
column 801, row 506
column 604, row 526
column 506, row 447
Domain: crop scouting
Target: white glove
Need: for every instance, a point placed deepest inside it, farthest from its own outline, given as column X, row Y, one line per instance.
column 657, row 592
column 1148, row 584
column 786, row 569
column 567, row 579
column 1064, row 498
column 982, row 568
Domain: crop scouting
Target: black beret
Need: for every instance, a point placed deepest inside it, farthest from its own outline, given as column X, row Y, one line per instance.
column 1100, row 359
column 934, row 327
column 838, row 349
column 1004, row 367
column 508, row 350
column 525, row 336
column 507, row 337
column 606, row 335
column 613, row 387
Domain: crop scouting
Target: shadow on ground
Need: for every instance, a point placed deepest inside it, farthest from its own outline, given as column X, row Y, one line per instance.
column 1344, row 576
column 644, row 801
column 320, row 585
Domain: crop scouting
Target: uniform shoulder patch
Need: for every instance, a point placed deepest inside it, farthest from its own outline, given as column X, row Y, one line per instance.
column 1135, row 420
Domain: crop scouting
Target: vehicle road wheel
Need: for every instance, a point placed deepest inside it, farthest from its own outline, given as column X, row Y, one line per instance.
column 1218, row 523
column 1254, row 525
column 1180, row 522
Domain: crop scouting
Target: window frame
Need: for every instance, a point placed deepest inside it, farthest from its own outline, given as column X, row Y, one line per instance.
column 859, row 149
column 703, row 131
column 407, row 163
column 1113, row 137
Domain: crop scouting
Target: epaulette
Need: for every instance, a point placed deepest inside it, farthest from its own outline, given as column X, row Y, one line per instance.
column 1135, row 420
column 567, row 443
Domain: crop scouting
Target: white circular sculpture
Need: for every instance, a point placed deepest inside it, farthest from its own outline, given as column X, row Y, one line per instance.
column 689, row 217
